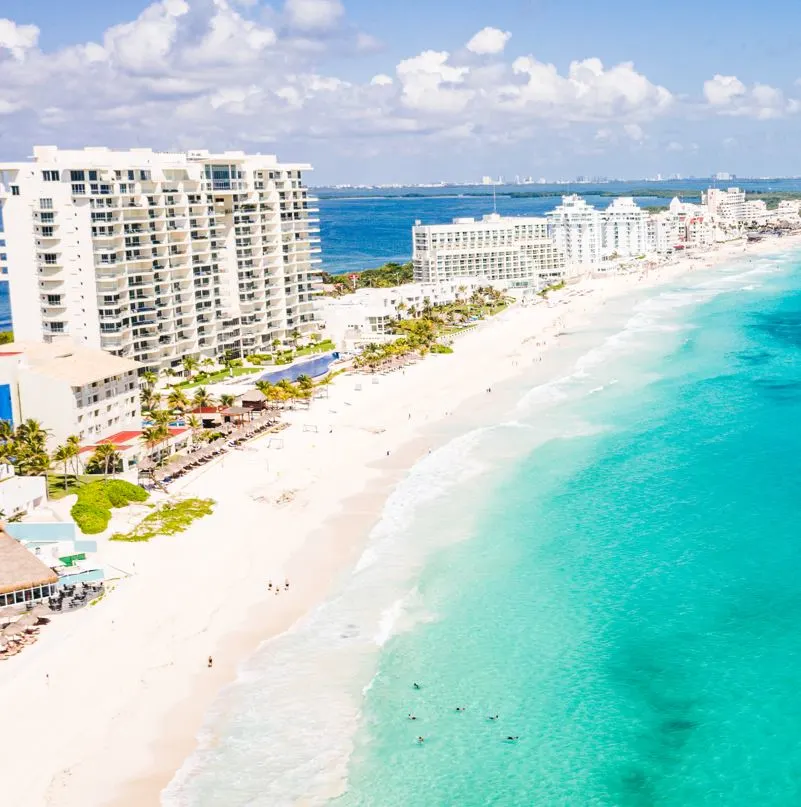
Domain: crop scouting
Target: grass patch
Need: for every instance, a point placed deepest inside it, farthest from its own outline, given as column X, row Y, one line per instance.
column 55, row 484
column 92, row 511
column 169, row 519
column 201, row 379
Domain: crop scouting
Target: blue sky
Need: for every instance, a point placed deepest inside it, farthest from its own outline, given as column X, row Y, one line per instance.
column 414, row 90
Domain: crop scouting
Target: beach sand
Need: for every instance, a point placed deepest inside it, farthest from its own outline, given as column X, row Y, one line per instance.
column 105, row 707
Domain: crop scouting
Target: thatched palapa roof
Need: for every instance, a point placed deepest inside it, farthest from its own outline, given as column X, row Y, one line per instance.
column 21, row 569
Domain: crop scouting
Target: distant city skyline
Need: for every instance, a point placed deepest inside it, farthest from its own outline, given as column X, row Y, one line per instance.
column 368, row 94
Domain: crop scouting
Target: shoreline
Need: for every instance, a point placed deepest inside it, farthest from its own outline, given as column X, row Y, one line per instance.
column 140, row 687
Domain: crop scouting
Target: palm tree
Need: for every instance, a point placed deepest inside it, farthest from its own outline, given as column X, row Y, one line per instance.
column 150, row 378
column 305, row 382
column 177, row 400
column 168, row 372
column 63, row 454
column 202, row 397
column 207, row 362
column 295, row 335
column 149, row 399
column 276, row 343
column 227, row 400
column 106, row 455
column 193, row 422
column 153, row 436
column 189, row 364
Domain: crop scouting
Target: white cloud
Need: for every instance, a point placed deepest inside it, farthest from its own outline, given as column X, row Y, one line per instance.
column 313, row 15
column 17, row 39
column 430, row 83
column 489, row 41
column 727, row 95
column 222, row 72
column 675, row 146
column 588, row 91
column 721, row 90
column 634, row 132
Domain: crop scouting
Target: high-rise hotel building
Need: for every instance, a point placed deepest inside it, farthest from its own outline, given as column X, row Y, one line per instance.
column 156, row 256
column 514, row 250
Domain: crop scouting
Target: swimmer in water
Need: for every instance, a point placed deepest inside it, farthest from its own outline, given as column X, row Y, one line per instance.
column 492, row 717
column 421, row 740
column 512, row 739
column 460, row 708
column 412, row 717
column 416, row 685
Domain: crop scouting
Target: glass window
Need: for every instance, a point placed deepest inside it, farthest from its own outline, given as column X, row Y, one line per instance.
column 46, row 204
column 15, row 190
column 93, row 176
column 77, row 176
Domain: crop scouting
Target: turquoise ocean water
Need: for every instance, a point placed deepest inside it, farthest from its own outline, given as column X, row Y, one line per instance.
column 606, row 555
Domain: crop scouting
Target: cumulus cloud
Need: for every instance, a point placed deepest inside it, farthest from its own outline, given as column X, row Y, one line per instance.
column 489, row 41
column 17, row 39
column 227, row 73
column 589, row 91
column 313, row 15
column 429, row 83
column 727, row 95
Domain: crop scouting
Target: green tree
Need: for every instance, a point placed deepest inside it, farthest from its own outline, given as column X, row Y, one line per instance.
column 177, row 400
column 107, row 457
column 202, row 397
column 305, row 382
column 227, row 400
column 64, row 455
column 153, row 437
column 150, row 378
column 190, row 364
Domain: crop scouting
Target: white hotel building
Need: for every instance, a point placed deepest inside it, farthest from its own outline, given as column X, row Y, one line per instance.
column 625, row 229
column 512, row 250
column 577, row 229
column 154, row 256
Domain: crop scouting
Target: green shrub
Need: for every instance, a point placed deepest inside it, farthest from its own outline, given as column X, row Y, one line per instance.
column 438, row 348
column 90, row 518
column 92, row 511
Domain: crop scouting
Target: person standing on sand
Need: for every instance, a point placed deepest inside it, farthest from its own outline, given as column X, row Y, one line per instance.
column 211, row 662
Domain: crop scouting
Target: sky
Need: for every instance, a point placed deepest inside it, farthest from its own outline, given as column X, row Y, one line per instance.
column 410, row 91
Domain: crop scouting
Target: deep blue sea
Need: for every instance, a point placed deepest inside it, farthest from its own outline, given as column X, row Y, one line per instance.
column 606, row 556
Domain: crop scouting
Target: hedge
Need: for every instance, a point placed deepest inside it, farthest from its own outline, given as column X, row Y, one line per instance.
column 92, row 511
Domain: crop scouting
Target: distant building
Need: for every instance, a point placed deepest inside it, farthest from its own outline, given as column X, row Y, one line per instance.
column 727, row 206
column 68, row 389
column 625, row 228
column 577, row 230
column 511, row 250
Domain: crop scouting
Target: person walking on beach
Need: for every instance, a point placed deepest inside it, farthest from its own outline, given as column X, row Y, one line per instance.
column 211, row 661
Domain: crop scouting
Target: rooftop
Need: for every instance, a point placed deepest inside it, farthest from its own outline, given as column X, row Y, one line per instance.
column 19, row 568
column 64, row 360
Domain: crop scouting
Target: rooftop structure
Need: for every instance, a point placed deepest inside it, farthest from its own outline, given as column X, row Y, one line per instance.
column 155, row 256
column 23, row 577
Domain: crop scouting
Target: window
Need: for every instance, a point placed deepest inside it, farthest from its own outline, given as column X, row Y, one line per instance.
column 49, row 258
column 46, row 204
column 77, row 176
column 54, row 299
column 47, row 218
column 15, row 190
column 47, row 232
column 131, row 176
column 57, row 327
column 50, row 176
column 78, row 189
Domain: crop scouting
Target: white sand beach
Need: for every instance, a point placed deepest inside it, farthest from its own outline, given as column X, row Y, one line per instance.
column 105, row 707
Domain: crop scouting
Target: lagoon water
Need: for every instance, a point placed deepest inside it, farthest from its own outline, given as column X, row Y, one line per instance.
column 606, row 555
